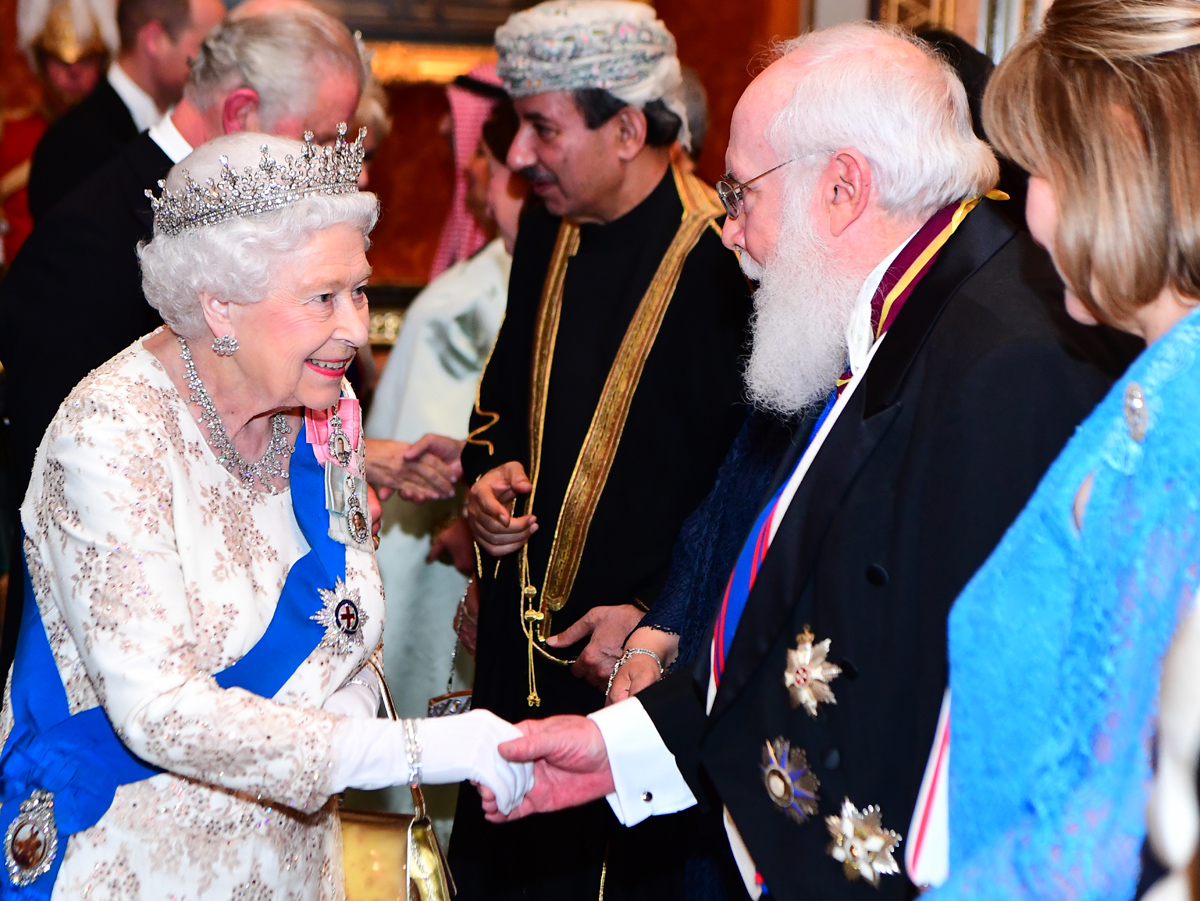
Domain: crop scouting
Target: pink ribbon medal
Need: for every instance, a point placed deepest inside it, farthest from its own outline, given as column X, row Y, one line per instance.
column 335, row 438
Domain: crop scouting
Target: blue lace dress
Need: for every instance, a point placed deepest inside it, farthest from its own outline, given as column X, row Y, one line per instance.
column 1056, row 644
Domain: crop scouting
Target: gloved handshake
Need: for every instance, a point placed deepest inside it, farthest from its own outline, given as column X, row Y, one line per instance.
column 373, row 753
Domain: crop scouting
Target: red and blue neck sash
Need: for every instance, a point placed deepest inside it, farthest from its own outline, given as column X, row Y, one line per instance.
column 897, row 284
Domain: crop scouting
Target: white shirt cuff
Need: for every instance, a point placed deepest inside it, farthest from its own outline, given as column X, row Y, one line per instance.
column 647, row 781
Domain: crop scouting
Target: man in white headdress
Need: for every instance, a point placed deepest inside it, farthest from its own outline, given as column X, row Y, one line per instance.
column 610, row 399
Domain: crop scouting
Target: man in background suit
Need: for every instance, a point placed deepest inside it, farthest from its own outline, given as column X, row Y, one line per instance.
column 853, row 199
column 159, row 40
column 73, row 297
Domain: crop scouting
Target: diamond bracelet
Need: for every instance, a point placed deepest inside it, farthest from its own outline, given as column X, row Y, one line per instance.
column 412, row 749
column 629, row 652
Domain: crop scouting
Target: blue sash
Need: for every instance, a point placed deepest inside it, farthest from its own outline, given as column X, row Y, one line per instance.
column 79, row 758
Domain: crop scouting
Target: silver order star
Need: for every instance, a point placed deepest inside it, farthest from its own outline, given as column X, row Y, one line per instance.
column 341, row 634
column 861, row 845
column 808, row 673
column 789, row 781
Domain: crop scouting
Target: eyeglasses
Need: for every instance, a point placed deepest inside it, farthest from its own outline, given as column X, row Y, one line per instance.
column 730, row 192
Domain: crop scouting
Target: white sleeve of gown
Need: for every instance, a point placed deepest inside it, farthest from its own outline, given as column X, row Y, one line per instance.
column 102, row 549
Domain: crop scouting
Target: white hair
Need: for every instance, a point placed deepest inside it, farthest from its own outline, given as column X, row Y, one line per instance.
column 237, row 260
column 282, row 55
column 912, row 123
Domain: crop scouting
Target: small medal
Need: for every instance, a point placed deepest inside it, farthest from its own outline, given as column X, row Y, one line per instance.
column 346, row 501
column 339, row 441
column 357, row 521
column 808, row 673
column 31, row 840
column 342, row 618
column 789, row 781
column 861, row 845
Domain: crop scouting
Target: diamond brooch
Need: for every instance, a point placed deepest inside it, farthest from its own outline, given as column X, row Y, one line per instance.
column 31, row 840
column 861, row 845
column 808, row 673
column 342, row 618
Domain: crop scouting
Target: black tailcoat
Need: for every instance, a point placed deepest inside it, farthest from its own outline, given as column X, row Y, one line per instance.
column 968, row 400
column 73, row 299
column 85, row 138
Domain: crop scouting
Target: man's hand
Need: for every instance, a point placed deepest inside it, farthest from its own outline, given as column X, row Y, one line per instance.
column 489, row 510
column 455, row 541
column 640, row 671
column 570, row 766
column 608, row 627
column 392, row 466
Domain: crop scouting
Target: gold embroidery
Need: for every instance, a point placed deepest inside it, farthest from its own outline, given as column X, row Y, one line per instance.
column 596, row 456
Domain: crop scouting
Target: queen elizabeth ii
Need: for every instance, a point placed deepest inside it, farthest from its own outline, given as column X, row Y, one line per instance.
column 194, row 677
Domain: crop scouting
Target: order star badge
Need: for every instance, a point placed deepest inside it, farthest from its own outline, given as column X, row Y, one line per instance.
column 342, row 618
column 789, row 781
column 860, row 843
column 808, row 673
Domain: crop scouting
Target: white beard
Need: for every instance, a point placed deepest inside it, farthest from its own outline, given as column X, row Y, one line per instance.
column 801, row 310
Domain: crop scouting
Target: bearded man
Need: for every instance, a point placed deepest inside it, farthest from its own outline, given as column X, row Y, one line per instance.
column 915, row 326
column 610, row 399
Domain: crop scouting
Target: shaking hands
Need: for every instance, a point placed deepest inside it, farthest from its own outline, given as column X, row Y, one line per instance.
column 570, row 767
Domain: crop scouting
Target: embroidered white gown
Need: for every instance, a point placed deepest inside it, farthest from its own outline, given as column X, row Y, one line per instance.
column 154, row 568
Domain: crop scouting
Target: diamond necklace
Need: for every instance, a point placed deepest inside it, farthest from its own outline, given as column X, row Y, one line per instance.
column 269, row 467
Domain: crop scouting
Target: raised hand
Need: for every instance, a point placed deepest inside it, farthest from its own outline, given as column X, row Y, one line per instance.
column 607, row 627
column 570, row 767
column 489, row 510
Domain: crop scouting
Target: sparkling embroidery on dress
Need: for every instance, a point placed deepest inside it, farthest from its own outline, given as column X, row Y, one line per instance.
column 121, row 485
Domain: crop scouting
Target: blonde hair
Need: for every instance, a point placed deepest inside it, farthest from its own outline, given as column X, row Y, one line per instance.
column 1104, row 103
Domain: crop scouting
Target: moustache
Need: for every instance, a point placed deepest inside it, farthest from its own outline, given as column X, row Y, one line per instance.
column 537, row 175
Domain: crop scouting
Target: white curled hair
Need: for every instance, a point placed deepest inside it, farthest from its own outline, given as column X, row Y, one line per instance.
column 238, row 260
column 912, row 123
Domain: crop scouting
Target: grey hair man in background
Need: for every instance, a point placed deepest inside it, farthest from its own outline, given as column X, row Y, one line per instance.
column 920, row 323
column 73, row 297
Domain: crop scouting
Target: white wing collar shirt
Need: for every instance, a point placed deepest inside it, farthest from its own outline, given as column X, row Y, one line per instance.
column 646, row 779
column 170, row 141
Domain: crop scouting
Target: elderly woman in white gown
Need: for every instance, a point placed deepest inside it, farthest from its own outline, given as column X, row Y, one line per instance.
column 193, row 680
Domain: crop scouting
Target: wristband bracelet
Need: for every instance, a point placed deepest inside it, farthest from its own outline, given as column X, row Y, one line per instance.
column 412, row 749
column 629, row 652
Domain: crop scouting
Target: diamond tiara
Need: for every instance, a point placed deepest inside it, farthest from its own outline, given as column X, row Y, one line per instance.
column 270, row 186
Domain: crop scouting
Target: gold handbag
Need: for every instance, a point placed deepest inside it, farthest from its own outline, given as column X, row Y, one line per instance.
column 394, row 856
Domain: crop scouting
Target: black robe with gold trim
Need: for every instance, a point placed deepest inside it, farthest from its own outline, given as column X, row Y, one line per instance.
column 686, row 409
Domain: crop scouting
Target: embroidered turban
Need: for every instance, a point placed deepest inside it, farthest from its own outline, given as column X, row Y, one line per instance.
column 616, row 45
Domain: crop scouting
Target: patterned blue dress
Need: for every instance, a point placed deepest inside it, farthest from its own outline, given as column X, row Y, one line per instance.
column 1056, row 644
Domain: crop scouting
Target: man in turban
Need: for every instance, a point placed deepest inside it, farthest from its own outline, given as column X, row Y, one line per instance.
column 607, row 406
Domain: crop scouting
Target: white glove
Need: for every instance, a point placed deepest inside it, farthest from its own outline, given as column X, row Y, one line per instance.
column 354, row 699
column 371, row 754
